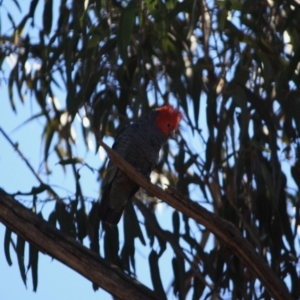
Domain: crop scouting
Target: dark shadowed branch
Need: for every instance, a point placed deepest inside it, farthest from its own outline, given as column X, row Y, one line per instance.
column 67, row 250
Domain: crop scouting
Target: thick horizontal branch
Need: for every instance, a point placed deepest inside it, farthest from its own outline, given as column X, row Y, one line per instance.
column 64, row 248
column 225, row 231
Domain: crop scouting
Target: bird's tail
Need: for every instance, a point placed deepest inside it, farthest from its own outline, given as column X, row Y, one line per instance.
column 107, row 214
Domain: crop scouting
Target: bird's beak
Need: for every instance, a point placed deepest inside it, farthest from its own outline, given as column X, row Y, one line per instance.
column 173, row 134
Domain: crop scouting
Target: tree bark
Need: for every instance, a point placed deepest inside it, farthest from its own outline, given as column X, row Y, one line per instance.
column 67, row 250
column 226, row 232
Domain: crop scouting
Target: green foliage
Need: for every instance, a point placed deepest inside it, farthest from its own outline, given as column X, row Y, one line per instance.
column 233, row 63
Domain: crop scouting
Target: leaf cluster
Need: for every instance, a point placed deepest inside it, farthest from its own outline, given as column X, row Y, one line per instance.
column 232, row 67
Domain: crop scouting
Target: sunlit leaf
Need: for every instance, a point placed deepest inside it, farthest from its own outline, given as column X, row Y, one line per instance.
column 234, row 5
column 48, row 136
column 11, row 80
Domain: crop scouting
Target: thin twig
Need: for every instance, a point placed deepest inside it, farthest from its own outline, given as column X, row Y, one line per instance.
column 36, row 175
column 16, row 147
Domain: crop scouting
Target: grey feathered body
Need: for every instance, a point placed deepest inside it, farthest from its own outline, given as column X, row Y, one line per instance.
column 139, row 144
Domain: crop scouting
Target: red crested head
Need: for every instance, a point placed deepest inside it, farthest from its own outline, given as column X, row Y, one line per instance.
column 168, row 119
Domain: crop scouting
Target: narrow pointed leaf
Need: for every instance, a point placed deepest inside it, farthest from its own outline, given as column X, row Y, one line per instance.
column 16, row 2
column 71, row 161
column 33, row 261
column 111, row 244
column 135, row 223
column 48, row 136
column 65, row 219
column 47, row 16
column 179, row 276
column 52, row 218
column 81, row 220
column 128, row 250
column 155, row 274
column 33, row 7
column 7, row 239
column 20, row 249
column 12, row 78
column 176, row 223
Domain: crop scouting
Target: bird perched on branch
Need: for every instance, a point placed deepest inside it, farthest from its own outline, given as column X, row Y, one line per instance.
column 139, row 144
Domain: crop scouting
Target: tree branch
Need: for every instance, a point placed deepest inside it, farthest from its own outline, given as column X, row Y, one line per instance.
column 67, row 250
column 225, row 231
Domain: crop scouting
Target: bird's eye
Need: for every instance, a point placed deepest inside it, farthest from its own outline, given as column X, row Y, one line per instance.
column 169, row 125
